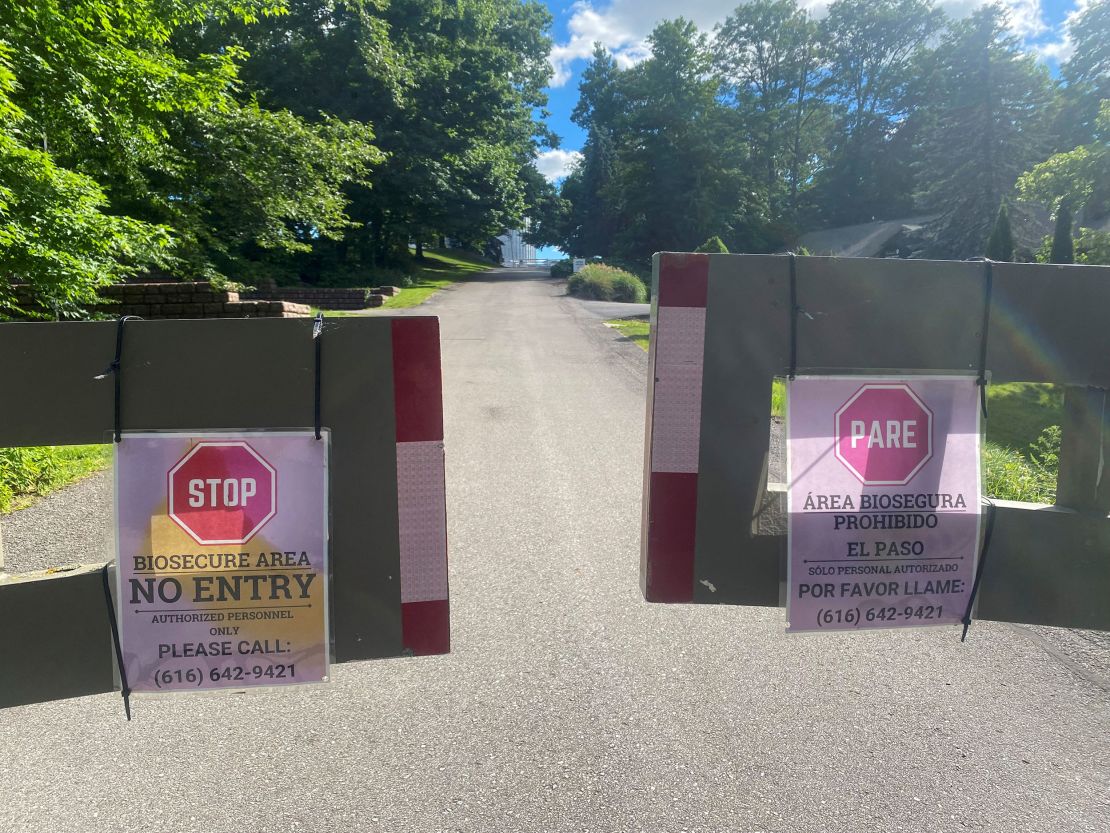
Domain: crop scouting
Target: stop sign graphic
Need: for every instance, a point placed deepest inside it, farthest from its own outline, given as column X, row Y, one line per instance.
column 222, row 492
column 884, row 434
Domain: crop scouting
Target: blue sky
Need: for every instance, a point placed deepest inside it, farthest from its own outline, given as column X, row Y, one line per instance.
column 622, row 25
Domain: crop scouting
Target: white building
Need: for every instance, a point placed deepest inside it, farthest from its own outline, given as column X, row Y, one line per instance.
column 514, row 249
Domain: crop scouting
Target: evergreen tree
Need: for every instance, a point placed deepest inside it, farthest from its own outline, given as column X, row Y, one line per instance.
column 593, row 219
column 1086, row 74
column 592, row 223
column 986, row 125
column 1000, row 245
column 600, row 100
column 1089, row 64
column 1063, row 250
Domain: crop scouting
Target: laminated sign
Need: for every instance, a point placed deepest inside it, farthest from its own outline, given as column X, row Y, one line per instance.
column 883, row 500
column 222, row 559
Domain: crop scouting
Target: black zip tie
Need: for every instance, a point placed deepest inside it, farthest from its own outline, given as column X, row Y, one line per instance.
column 317, row 332
column 794, row 310
column 979, row 567
column 125, row 689
column 113, row 369
column 988, row 290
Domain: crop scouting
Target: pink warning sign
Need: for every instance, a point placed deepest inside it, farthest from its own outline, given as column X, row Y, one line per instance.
column 222, row 559
column 883, row 500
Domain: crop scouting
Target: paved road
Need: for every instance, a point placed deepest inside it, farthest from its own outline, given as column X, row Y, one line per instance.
column 569, row 703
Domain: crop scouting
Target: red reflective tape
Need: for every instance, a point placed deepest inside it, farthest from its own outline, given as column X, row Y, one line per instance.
column 683, row 279
column 672, row 516
column 417, row 379
column 426, row 627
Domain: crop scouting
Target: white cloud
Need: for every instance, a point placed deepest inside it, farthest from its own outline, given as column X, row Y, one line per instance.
column 555, row 164
column 622, row 26
column 1058, row 51
column 1062, row 49
column 1026, row 16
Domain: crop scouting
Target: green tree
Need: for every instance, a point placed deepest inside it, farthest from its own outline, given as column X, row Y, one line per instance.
column 245, row 187
column 678, row 175
column 452, row 89
column 1092, row 247
column 1000, row 244
column 601, row 102
column 593, row 221
column 124, row 94
column 1089, row 64
column 987, row 124
column 767, row 55
column 1063, row 250
column 1085, row 75
column 873, row 48
column 1079, row 177
column 547, row 210
column 56, row 240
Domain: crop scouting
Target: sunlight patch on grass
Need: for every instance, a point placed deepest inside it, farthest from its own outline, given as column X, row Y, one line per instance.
column 634, row 329
column 441, row 269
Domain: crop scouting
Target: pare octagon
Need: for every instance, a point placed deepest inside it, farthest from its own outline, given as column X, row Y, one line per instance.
column 884, row 434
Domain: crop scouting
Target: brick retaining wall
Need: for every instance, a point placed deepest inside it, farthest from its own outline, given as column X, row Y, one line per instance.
column 182, row 300
column 191, row 300
column 323, row 297
column 200, row 300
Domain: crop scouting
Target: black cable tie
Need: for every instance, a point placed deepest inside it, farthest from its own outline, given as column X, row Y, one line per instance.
column 113, row 369
column 979, row 567
column 125, row 689
column 794, row 310
column 317, row 333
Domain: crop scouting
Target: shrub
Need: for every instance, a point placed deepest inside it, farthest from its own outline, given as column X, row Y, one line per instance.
column 562, row 268
column 1092, row 247
column 714, row 245
column 607, row 283
column 1010, row 475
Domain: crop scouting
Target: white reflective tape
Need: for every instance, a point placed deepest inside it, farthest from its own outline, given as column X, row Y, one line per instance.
column 676, row 414
column 422, row 521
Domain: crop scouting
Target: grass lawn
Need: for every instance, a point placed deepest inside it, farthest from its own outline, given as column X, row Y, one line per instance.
column 441, row 267
column 1018, row 412
column 635, row 329
column 1018, row 463
column 27, row 473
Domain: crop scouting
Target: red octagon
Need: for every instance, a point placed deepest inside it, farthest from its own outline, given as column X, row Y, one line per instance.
column 222, row 492
column 884, row 434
